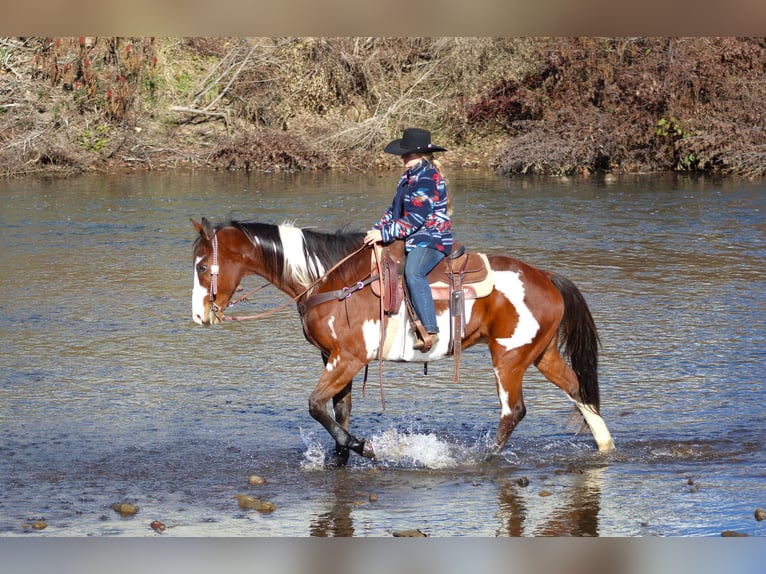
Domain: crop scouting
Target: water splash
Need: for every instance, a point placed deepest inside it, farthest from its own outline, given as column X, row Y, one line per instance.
column 314, row 457
column 413, row 449
column 406, row 449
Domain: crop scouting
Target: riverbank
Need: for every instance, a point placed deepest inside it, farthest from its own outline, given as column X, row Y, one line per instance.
column 552, row 106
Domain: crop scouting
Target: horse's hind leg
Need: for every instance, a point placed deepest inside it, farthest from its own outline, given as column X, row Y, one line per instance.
column 512, row 409
column 553, row 366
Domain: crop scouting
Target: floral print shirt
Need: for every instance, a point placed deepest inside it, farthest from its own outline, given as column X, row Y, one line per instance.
column 418, row 213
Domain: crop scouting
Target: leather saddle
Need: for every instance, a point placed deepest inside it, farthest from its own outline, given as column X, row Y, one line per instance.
column 461, row 270
column 459, row 276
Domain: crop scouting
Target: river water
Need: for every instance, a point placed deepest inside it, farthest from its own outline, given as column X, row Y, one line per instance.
column 110, row 393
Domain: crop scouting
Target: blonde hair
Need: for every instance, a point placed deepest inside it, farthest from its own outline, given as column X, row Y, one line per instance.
column 429, row 157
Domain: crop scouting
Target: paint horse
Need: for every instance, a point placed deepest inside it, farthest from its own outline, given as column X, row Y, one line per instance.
column 530, row 316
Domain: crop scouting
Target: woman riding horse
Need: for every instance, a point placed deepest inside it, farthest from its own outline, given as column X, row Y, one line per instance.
column 420, row 215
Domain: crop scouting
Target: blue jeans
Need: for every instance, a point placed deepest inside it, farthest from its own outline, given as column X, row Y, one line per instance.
column 418, row 263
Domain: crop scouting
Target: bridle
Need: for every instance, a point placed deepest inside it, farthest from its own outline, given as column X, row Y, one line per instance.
column 214, row 270
column 339, row 295
column 213, row 292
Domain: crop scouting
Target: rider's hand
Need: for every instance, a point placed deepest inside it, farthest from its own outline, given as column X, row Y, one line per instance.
column 373, row 236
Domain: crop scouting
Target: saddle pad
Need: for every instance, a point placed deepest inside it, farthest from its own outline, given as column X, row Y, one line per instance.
column 477, row 282
column 477, row 277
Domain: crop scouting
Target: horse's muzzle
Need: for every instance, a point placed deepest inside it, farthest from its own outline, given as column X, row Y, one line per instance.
column 206, row 317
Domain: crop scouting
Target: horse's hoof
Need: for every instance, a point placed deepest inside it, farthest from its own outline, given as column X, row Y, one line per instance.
column 367, row 450
column 606, row 447
column 492, row 458
column 339, row 459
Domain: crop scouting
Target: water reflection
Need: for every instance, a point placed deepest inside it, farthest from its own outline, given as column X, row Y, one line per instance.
column 575, row 510
column 336, row 521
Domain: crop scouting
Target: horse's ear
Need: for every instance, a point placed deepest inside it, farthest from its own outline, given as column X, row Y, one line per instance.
column 202, row 228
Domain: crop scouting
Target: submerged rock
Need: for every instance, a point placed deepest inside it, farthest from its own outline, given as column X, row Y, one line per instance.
column 415, row 533
column 125, row 508
column 158, row 526
column 249, row 503
column 760, row 514
column 734, row 534
column 266, row 507
column 255, row 480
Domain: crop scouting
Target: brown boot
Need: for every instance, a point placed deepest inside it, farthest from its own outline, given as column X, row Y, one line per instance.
column 421, row 335
column 425, row 345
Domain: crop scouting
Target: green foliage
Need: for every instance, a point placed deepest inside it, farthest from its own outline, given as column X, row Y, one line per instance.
column 670, row 126
column 689, row 162
column 95, row 140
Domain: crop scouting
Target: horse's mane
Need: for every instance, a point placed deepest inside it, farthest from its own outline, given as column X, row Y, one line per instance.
column 305, row 262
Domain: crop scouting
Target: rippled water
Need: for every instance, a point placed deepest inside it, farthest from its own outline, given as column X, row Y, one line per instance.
column 109, row 392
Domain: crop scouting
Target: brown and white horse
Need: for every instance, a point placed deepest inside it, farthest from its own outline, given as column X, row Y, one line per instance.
column 526, row 319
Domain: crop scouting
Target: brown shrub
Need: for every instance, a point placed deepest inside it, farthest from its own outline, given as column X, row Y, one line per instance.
column 639, row 104
column 265, row 151
column 561, row 105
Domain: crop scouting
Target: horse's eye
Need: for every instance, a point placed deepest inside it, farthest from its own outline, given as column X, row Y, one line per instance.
column 201, row 268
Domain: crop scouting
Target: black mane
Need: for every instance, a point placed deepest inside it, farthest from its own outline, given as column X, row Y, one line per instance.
column 329, row 248
column 322, row 250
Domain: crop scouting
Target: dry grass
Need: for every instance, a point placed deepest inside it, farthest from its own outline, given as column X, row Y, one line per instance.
column 552, row 106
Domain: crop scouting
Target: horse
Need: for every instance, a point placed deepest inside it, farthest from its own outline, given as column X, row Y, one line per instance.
column 530, row 316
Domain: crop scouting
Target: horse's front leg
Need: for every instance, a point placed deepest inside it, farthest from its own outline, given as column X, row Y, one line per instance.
column 342, row 409
column 335, row 383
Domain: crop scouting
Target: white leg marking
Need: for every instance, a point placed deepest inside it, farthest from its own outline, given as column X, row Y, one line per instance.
column 505, row 407
column 509, row 284
column 199, row 293
column 331, row 326
column 332, row 364
column 597, row 426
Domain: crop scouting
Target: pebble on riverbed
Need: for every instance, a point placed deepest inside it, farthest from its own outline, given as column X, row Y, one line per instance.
column 415, row 533
column 255, row 480
column 125, row 508
column 760, row 514
column 249, row 503
column 693, row 486
column 158, row 526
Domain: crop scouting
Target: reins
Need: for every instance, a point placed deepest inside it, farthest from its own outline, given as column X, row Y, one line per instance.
column 339, row 295
column 247, row 295
column 295, row 299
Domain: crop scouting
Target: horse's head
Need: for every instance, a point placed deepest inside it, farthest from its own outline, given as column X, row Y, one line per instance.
column 217, row 272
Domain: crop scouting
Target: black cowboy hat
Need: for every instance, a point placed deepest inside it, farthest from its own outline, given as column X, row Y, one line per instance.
column 413, row 140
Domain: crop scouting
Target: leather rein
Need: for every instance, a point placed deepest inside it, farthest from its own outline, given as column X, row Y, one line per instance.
column 338, row 294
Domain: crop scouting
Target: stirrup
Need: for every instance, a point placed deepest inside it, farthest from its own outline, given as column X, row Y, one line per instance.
column 425, row 345
column 421, row 335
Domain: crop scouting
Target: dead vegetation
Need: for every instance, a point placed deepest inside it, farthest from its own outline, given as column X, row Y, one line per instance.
column 551, row 106
column 637, row 105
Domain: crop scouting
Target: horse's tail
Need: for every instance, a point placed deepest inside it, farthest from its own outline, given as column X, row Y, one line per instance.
column 578, row 339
